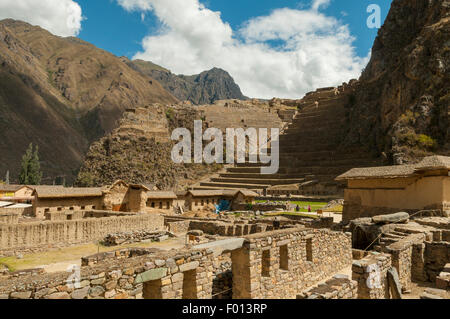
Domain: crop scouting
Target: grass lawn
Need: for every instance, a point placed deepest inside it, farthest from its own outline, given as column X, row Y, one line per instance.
column 315, row 206
column 336, row 209
column 290, row 214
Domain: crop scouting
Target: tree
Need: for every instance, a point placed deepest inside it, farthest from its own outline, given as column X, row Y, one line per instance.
column 7, row 178
column 30, row 173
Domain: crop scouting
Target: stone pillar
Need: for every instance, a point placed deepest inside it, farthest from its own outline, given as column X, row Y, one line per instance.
column 371, row 276
column 240, row 265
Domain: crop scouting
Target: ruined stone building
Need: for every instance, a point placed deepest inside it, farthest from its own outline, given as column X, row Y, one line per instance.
column 160, row 201
column 15, row 192
column 50, row 199
column 199, row 200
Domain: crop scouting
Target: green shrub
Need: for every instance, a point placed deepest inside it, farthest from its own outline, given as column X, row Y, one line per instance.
column 426, row 142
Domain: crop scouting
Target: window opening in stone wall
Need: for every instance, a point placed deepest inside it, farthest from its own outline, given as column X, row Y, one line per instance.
column 265, row 267
column 284, row 257
column 309, row 249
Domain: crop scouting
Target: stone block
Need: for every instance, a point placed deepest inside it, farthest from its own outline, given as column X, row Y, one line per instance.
column 110, row 294
column 401, row 217
column 189, row 266
column 149, row 275
column 111, row 284
column 96, row 291
column 58, row 295
column 21, row 295
column 177, row 277
column 80, row 293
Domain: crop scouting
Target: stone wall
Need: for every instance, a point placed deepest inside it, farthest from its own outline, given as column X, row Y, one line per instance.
column 223, row 269
column 227, row 229
column 281, row 264
column 34, row 236
column 215, row 227
column 179, row 227
column 339, row 287
column 437, row 255
column 402, row 257
column 9, row 218
column 362, row 271
column 43, row 205
column 182, row 274
column 22, row 211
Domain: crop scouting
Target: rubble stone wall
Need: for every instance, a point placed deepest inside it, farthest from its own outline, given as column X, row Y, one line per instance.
column 361, row 271
column 196, row 273
column 34, row 235
column 402, row 258
column 281, row 264
column 437, row 255
column 339, row 287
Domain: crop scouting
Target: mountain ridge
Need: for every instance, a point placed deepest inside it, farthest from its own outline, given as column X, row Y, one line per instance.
column 204, row 88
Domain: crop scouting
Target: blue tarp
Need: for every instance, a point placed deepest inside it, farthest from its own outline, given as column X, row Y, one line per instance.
column 223, row 206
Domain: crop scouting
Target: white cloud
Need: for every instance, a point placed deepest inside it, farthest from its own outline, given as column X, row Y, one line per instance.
column 61, row 17
column 284, row 54
column 320, row 4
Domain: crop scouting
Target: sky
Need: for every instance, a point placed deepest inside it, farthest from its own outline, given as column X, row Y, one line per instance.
column 272, row 48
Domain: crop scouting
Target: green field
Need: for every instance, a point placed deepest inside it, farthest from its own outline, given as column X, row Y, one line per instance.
column 315, row 206
column 290, row 214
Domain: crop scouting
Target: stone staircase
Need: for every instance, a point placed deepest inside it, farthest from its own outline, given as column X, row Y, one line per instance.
column 309, row 148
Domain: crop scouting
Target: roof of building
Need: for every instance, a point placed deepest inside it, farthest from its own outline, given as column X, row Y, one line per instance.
column 434, row 162
column 62, row 192
column 248, row 193
column 5, row 204
column 19, row 206
column 428, row 163
column 181, row 193
column 222, row 192
column 206, row 193
column 161, row 194
column 11, row 188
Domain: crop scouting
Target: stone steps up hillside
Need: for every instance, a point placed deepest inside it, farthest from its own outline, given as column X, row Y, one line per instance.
column 310, row 149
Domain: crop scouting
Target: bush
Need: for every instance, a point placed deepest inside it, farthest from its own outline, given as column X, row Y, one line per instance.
column 426, row 142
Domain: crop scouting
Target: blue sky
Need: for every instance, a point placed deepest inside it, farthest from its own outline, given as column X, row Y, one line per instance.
column 276, row 48
column 111, row 28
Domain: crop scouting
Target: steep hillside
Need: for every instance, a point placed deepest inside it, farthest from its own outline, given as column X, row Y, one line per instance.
column 401, row 107
column 139, row 150
column 61, row 94
column 204, row 88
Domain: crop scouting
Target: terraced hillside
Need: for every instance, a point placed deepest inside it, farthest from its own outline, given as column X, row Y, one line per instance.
column 311, row 150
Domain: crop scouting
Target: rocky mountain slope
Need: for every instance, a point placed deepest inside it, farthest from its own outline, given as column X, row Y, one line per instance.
column 61, row 94
column 401, row 107
column 139, row 150
column 204, row 88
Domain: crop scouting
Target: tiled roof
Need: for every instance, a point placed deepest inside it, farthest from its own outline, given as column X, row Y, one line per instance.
column 62, row 192
column 164, row 195
column 222, row 192
column 10, row 188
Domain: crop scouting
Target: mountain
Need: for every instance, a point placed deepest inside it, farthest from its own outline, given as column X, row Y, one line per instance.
column 139, row 150
column 62, row 94
column 204, row 88
column 402, row 105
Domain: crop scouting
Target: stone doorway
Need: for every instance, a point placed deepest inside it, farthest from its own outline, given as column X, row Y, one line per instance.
column 190, row 284
column 152, row 289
